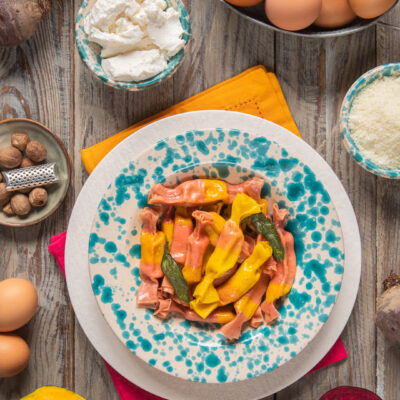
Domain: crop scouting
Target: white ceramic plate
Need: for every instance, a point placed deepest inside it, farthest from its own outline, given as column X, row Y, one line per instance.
column 196, row 351
column 101, row 335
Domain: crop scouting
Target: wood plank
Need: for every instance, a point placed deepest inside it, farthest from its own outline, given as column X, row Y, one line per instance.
column 349, row 57
column 300, row 68
column 315, row 91
column 388, row 237
column 223, row 45
column 36, row 84
column 393, row 18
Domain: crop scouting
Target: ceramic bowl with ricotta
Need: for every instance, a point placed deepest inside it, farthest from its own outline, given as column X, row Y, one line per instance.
column 90, row 52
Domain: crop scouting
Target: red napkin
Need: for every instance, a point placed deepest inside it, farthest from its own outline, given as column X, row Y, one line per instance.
column 129, row 391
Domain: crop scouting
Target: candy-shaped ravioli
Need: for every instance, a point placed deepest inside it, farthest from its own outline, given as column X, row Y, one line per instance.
column 246, row 276
column 152, row 250
column 197, row 245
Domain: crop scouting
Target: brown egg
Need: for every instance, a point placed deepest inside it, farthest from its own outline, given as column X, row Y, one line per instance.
column 335, row 13
column 244, row 3
column 18, row 302
column 293, row 15
column 371, row 8
column 14, row 355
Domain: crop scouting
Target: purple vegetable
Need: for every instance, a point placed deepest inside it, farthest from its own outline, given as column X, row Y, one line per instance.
column 19, row 19
column 349, row 393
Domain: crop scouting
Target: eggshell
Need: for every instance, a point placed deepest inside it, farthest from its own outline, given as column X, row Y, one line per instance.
column 293, row 15
column 244, row 3
column 335, row 13
column 371, row 8
column 14, row 355
column 18, row 302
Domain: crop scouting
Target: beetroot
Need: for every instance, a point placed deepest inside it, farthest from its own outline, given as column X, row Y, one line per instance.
column 19, row 19
column 388, row 308
column 349, row 393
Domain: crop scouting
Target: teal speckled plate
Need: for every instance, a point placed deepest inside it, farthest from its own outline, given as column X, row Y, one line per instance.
column 199, row 352
column 90, row 52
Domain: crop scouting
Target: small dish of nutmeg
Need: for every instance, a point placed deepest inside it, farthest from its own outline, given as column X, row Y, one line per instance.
column 35, row 172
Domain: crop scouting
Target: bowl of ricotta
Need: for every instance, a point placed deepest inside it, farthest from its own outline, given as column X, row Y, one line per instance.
column 132, row 44
column 370, row 121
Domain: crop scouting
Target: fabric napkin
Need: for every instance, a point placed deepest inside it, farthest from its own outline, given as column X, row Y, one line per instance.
column 254, row 92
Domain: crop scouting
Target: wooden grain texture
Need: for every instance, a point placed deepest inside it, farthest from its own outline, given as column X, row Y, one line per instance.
column 37, row 85
column 388, row 232
column 44, row 79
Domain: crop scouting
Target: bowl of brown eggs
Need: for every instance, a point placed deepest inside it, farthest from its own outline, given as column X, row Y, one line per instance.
column 313, row 18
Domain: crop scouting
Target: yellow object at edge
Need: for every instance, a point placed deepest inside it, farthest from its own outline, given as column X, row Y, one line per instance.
column 52, row 393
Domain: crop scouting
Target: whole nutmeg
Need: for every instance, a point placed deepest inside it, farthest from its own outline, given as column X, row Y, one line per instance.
column 36, row 151
column 26, row 190
column 26, row 162
column 20, row 204
column 8, row 210
column 20, row 140
column 10, row 157
column 4, row 195
column 38, row 197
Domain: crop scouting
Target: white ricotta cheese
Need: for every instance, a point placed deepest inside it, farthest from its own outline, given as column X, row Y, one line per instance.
column 166, row 32
column 128, row 30
column 135, row 66
column 374, row 122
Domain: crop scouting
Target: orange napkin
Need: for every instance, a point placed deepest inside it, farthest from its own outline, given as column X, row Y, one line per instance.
column 255, row 91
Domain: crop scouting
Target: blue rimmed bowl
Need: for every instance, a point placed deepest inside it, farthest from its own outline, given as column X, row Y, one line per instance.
column 369, row 77
column 90, row 52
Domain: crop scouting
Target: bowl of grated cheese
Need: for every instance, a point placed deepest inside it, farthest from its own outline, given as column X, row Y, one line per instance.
column 370, row 121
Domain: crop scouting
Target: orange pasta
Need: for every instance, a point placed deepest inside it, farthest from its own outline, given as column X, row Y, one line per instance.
column 183, row 228
column 217, row 267
column 152, row 245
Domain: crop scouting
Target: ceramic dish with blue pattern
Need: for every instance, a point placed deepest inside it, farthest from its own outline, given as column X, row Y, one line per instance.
column 349, row 143
column 195, row 351
column 90, row 52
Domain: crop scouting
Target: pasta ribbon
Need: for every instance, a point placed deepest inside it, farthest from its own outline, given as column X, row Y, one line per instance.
column 167, row 226
column 215, row 190
column 183, row 228
column 190, row 193
column 223, row 258
column 282, row 282
column 214, row 229
column 247, row 275
column 152, row 250
column 225, row 255
column 244, row 206
column 152, row 247
column 197, row 245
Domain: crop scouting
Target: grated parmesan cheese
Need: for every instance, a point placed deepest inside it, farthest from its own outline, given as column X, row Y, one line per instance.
column 374, row 122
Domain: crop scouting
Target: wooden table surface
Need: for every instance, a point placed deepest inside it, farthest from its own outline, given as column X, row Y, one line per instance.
column 45, row 80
